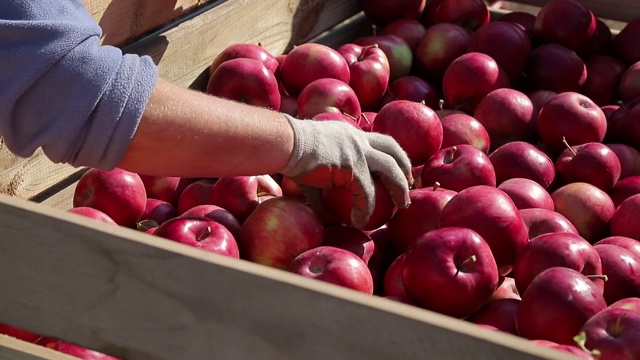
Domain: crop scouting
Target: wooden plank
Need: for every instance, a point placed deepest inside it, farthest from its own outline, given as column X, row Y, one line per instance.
column 184, row 51
column 621, row 10
column 124, row 20
column 14, row 349
column 28, row 177
column 134, row 296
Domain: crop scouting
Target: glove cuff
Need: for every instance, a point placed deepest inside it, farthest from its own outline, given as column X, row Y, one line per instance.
column 303, row 142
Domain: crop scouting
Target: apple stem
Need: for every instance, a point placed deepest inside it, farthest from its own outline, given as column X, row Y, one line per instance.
column 441, row 104
column 364, row 51
column 564, row 141
column 366, row 118
column 349, row 116
column 436, row 186
column 581, row 339
column 598, row 276
column 203, row 233
column 260, row 43
column 452, row 153
column 145, row 225
column 471, row 259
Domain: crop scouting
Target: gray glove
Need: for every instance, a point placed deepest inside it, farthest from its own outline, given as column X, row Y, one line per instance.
column 327, row 154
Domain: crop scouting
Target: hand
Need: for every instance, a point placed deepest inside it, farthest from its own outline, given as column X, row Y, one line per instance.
column 331, row 153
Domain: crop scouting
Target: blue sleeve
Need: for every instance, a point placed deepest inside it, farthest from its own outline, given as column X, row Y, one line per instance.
column 63, row 91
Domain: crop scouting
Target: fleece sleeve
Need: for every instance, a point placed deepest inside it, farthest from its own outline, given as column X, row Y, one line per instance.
column 63, row 91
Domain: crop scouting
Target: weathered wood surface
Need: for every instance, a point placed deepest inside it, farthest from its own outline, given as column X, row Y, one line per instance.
column 124, row 20
column 135, row 296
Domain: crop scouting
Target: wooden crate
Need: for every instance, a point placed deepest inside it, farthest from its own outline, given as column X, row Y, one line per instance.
column 135, row 297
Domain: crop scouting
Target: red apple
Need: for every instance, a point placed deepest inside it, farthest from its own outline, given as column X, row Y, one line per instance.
column 571, row 116
column 369, row 69
column 412, row 88
column 459, row 167
column 334, row 265
column 339, row 200
column 526, row 193
column 556, row 249
column 490, row 212
column 500, row 313
column 410, row 30
column 508, row 115
column 566, row 22
column 630, row 303
column 441, row 44
column 525, row 20
column 118, row 193
column 278, row 230
column 554, row 67
column 351, row 239
column 557, row 304
column 603, row 82
column 471, row 14
column 384, row 12
column 506, row 289
column 318, row 61
column 196, row 193
column 629, row 82
column 622, row 269
column 612, row 334
column 245, row 80
column 593, row 162
column 469, row 78
column 240, row 195
column 415, row 127
column 520, row 159
column 167, row 188
column 328, row 95
column 629, row 158
column 542, row 221
column 627, row 243
column 245, row 50
column 507, row 43
column 93, row 213
column 219, row 214
column 158, row 211
column 451, row 271
column 420, row 217
column 398, row 53
column 201, row 233
column 588, row 208
column 393, row 284
column 625, row 44
column 460, row 129
column 624, row 220
column 336, row 116
column 571, row 349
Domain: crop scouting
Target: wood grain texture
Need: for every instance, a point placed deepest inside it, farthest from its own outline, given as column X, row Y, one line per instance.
column 185, row 51
column 135, row 296
column 124, row 20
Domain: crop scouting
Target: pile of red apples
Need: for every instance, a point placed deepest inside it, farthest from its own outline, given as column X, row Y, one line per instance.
column 524, row 134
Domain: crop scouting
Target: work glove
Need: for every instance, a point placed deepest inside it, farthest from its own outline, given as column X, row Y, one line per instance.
column 330, row 154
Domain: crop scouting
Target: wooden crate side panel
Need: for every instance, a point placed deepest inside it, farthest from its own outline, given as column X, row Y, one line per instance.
column 27, row 177
column 620, row 10
column 124, row 20
column 185, row 51
column 134, row 296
